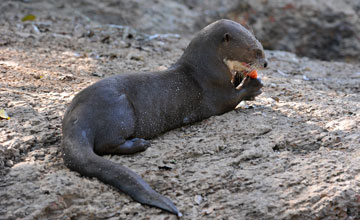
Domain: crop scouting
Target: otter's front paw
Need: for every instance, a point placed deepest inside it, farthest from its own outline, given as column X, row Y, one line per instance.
column 252, row 88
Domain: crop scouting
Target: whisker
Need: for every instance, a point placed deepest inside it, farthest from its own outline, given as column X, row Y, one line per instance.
column 252, row 67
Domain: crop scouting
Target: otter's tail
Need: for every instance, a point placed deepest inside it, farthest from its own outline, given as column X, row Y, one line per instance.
column 79, row 156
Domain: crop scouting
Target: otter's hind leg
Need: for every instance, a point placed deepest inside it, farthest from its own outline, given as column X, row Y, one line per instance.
column 122, row 146
column 115, row 127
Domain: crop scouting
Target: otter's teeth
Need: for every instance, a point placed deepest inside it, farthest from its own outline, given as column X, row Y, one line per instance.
column 235, row 76
column 239, row 87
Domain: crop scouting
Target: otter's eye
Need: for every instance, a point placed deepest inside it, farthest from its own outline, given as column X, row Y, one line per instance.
column 226, row 37
column 258, row 53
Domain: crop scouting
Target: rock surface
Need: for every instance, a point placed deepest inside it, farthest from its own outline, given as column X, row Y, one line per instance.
column 291, row 154
column 323, row 29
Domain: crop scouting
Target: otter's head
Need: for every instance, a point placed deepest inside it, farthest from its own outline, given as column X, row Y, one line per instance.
column 238, row 48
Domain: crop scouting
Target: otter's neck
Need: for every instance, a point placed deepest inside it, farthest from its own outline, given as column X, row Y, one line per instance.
column 205, row 65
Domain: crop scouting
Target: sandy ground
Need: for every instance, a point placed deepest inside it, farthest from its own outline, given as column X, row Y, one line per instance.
column 293, row 153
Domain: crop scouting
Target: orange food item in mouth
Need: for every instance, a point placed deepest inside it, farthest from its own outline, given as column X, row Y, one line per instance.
column 253, row 74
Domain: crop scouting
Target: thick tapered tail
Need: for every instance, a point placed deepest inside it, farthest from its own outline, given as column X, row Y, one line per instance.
column 79, row 156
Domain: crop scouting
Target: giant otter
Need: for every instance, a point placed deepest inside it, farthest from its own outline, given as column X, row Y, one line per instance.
column 117, row 114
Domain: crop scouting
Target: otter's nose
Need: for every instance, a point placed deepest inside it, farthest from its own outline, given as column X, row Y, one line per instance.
column 265, row 64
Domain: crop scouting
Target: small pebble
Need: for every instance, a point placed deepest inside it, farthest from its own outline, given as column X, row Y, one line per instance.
column 198, row 199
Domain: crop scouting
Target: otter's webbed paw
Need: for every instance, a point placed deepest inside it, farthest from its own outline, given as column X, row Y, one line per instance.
column 252, row 88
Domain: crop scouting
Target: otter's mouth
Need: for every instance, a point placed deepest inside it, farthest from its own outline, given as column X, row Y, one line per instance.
column 240, row 72
column 238, row 79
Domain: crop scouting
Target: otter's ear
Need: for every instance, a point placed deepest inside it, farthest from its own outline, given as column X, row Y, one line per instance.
column 226, row 37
